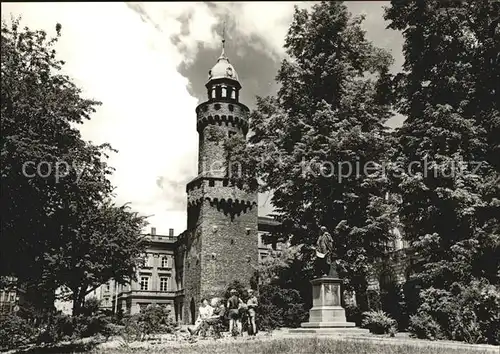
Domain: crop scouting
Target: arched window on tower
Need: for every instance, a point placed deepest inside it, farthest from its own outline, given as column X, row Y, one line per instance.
column 213, row 93
column 233, row 94
column 223, row 91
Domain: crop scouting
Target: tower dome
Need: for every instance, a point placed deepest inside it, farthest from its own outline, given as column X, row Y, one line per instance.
column 223, row 68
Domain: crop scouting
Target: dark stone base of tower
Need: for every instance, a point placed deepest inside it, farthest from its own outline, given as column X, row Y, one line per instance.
column 222, row 248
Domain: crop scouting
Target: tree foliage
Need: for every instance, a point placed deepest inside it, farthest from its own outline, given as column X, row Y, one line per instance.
column 58, row 226
column 327, row 118
column 448, row 161
column 449, row 91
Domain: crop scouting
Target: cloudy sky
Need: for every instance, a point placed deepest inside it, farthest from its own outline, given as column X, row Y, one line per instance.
column 148, row 63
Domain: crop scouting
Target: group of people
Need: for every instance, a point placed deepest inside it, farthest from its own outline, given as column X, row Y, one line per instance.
column 212, row 313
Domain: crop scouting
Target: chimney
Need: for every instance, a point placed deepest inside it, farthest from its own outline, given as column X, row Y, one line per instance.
column 153, row 231
column 170, row 232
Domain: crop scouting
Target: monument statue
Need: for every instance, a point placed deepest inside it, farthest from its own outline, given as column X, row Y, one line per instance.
column 326, row 314
column 326, row 262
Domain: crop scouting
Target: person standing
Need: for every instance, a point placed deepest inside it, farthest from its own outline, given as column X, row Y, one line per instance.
column 233, row 305
column 252, row 304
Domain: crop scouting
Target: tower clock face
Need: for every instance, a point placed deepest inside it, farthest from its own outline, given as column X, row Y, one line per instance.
column 229, row 72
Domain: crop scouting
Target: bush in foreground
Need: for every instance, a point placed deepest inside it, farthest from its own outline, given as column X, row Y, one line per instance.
column 378, row 322
column 280, row 308
column 15, row 332
column 153, row 319
column 467, row 312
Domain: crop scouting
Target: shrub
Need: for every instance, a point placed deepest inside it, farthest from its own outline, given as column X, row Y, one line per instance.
column 353, row 313
column 156, row 319
column 88, row 326
column 378, row 322
column 423, row 326
column 467, row 312
column 132, row 330
column 280, row 307
column 61, row 327
column 153, row 319
column 113, row 329
column 15, row 332
column 58, row 327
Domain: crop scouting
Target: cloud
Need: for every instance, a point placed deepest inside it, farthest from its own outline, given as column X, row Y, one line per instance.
column 128, row 55
column 123, row 60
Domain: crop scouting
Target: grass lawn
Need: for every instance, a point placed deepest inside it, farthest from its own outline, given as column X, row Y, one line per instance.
column 295, row 346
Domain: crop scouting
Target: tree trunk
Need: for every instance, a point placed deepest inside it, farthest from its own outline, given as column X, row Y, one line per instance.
column 76, row 304
column 361, row 296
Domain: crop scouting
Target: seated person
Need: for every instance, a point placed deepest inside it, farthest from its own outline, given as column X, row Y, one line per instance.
column 219, row 309
column 216, row 321
column 205, row 312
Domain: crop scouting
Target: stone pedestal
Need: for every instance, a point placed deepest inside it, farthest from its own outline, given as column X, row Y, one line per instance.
column 327, row 314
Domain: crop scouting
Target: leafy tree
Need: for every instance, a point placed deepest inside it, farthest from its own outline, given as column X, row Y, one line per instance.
column 105, row 245
column 58, row 226
column 447, row 167
column 448, row 164
column 326, row 120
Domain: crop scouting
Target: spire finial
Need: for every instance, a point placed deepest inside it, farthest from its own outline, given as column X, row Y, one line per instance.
column 223, row 54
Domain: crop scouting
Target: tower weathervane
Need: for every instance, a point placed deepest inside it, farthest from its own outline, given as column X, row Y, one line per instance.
column 223, row 54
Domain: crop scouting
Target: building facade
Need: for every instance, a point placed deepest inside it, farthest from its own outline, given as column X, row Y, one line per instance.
column 161, row 280
column 11, row 296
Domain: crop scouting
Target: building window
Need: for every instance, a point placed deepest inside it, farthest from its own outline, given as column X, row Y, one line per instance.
column 108, row 287
column 164, row 284
column 223, row 91
column 164, row 262
column 144, row 283
column 213, row 93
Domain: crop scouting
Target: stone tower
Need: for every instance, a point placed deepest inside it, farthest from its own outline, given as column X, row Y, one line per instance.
column 220, row 243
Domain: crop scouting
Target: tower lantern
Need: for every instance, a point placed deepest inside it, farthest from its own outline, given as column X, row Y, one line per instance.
column 223, row 80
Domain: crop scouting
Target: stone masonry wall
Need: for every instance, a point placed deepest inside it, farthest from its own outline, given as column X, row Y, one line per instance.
column 192, row 272
column 229, row 250
column 214, row 126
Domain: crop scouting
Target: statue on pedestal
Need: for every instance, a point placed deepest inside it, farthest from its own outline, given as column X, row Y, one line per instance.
column 326, row 263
